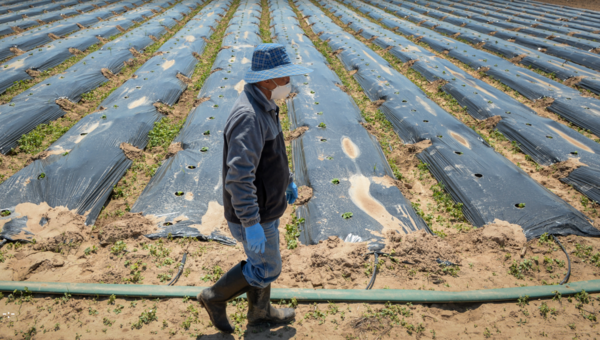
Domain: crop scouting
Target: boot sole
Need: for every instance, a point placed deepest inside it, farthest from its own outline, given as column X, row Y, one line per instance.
column 271, row 322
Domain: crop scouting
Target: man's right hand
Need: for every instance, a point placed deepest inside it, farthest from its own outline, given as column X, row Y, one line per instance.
column 255, row 236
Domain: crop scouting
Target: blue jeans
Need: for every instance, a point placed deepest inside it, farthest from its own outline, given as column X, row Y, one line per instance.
column 261, row 268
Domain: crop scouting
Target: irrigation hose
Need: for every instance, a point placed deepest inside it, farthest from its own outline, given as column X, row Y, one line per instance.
column 566, row 279
column 181, row 265
column 372, row 281
column 375, row 261
column 324, row 295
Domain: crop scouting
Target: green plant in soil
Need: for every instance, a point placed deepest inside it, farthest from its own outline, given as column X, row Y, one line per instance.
column 523, row 301
column 519, row 269
column 214, row 274
column 163, row 132
column 145, row 318
column 89, row 250
column 118, row 248
column 164, row 277
column 347, row 215
column 292, row 231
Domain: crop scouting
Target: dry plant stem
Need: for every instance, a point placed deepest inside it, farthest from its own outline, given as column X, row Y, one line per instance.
column 488, row 132
column 414, row 180
column 23, row 85
column 12, row 163
column 134, row 181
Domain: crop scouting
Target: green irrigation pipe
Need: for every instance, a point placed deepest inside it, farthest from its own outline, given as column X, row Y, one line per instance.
column 341, row 295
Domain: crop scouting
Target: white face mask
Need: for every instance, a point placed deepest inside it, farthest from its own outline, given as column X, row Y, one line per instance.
column 280, row 92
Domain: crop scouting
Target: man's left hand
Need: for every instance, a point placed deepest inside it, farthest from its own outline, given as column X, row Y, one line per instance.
column 291, row 193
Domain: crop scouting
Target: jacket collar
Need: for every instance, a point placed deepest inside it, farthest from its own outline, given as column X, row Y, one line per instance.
column 267, row 105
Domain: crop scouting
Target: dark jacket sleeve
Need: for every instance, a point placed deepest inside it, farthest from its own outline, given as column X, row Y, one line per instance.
column 245, row 141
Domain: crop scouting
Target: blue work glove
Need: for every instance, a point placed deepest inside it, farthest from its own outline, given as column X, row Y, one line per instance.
column 291, row 193
column 255, row 236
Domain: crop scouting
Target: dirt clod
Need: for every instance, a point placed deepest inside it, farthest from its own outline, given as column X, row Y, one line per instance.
column 174, row 148
column 304, row 195
column 422, row 249
column 128, row 227
column 561, row 169
column 131, row 151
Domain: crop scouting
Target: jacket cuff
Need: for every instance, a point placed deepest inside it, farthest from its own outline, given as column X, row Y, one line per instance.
column 251, row 222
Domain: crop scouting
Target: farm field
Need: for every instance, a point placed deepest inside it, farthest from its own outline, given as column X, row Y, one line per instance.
column 438, row 146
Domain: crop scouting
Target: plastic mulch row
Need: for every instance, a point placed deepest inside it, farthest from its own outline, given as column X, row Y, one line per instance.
column 336, row 156
column 489, row 186
column 87, row 162
column 45, row 34
column 46, row 18
column 568, row 102
column 38, row 104
column 185, row 195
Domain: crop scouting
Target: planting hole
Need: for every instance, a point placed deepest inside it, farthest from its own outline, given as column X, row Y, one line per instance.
column 528, row 124
column 179, row 193
column 204, row 149
column 42, row 176
column 191, row 167
column 478, row 175
column 549, row 137
column 166, row 224
column 458, row 152
column 83, row 134
column 425, row 121
column 520, row 205
column 4, row 213
column 323, row 140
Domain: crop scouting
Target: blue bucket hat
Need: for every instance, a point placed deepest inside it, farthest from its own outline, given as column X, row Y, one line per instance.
column 270, row 61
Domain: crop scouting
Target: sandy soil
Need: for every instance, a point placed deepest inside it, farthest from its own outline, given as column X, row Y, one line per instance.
column 491, row 257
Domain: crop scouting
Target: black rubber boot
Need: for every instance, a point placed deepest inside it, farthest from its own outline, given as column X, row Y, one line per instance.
column 214, row 299
column 261, row 311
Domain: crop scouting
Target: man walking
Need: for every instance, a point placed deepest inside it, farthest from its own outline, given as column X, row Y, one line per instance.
column 257, row 186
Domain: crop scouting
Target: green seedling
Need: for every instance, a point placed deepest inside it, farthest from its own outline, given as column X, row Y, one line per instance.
column 292, row 232
column 88, row 251
column 347, row 215
column 523, row 301
column 335, row 181
column 118, row 247
column 322, row 125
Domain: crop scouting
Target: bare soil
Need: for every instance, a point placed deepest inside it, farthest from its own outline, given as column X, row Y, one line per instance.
column 495, row 256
